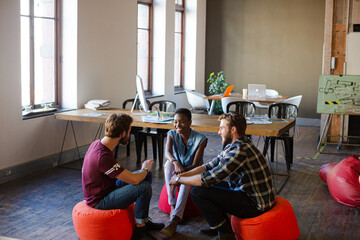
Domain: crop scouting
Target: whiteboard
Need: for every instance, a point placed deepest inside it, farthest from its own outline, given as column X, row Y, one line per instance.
column 338, row 94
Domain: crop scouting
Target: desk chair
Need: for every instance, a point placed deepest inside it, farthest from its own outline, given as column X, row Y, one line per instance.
column 293, row 100
column 158, row 135
column 296, row 100
column 197, row 101
column 246, row 108
column 134, row 131
column 270, row 93
column 282, row 111
column 226, row 100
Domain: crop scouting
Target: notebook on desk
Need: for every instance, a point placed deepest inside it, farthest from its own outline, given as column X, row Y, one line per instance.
column 140, row 113
column 228, row 91
column 155, row 119
column 256, row 91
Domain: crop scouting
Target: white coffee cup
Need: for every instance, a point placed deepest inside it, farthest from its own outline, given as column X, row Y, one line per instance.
column 244, row 93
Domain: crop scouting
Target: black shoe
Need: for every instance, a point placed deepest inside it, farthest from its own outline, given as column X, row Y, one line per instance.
column 150, row 226
column 225, row 236
column 141, row 233
column 209, row 231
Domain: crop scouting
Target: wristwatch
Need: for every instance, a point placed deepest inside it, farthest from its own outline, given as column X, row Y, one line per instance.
column 146, row 169
column 177, row 179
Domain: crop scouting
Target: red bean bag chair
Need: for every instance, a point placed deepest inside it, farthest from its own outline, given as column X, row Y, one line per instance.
column 191, row 210
column 343, row 180
column 278, row 223
column 91, row 223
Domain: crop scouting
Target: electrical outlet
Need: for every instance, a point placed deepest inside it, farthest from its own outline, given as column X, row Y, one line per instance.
column 8, row 172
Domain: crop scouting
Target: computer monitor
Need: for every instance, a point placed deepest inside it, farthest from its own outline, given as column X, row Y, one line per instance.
column 256, row 91
column 140, row 94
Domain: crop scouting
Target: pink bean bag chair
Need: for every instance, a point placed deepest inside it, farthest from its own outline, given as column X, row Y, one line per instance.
column 191, row 210
column 343, row 180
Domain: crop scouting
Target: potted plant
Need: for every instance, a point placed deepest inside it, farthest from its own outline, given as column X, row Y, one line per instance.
column 217, row 86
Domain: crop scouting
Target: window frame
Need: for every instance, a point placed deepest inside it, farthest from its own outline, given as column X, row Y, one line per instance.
column 181, row 8
column 148, row 3
column 57, row 54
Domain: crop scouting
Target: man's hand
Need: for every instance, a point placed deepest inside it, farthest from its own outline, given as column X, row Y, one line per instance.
column 178, row 168
column 173, row 184
column 147, row 164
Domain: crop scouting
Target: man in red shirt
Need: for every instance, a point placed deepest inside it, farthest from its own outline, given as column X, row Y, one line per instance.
column 107, row 185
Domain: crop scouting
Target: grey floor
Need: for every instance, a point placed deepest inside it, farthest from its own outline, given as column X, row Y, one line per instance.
column 39, row 206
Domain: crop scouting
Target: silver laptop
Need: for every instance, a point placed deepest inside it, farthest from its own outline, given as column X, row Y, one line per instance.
column 256, row 91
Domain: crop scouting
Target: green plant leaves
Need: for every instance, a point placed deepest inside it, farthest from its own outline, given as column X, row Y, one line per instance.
column 217, row 86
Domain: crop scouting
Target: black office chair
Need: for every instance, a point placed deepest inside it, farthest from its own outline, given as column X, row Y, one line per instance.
column 164, row 105
column 158, row 135
column 134, row 131
column 137, row 104
column 247, row 109
column 282, row 111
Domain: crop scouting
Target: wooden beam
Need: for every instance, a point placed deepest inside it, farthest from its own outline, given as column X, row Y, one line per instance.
column 328, row 30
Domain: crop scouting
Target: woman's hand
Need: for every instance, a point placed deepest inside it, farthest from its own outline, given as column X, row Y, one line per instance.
column 178, row 168
column 173, row 184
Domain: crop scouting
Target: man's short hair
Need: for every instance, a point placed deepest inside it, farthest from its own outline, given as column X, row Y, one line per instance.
column 184, row 111
column 235, row 120
column 115, row 124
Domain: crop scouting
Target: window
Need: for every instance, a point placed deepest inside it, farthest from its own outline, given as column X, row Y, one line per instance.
column 144, row 43
column 179, row 45
column 40, row 46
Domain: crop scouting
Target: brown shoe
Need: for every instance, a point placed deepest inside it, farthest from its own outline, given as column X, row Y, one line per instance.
column 170, row 229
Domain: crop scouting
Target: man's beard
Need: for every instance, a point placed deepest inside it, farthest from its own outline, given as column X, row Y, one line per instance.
column 227, row 139
column 124, row 140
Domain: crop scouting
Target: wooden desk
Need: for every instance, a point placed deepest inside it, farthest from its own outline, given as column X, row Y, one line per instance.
column 200, row 122
column 264, row 100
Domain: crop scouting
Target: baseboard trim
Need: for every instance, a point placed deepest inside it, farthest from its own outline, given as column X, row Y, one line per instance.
column 25, row 169
column 308, row 122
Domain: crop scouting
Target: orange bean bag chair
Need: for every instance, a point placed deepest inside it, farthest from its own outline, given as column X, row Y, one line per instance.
column 191, row 210
column 343, row 180
column 91, row 223
column 278, row 223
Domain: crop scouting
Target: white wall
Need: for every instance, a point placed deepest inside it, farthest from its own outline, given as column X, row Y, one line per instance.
column 107, row 50
column 277, row 43
column 106, row 68
column 20, row 141
column 69, row 54
column 353, row 54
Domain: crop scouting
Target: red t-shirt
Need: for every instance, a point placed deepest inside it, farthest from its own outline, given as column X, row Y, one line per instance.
column 99, row 173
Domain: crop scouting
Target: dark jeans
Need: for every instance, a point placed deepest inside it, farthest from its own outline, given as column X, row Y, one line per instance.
column 215, row 202
column 127, row 194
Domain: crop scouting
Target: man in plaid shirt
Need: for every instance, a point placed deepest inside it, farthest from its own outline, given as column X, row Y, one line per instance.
column 238, row 181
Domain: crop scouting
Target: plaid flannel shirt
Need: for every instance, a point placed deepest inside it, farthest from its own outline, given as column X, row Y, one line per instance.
column 245, row 169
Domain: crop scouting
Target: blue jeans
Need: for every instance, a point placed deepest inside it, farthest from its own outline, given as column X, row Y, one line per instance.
column 126, row 194
column 215, row 202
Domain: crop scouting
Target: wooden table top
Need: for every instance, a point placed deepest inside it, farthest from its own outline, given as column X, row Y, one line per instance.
column 268, row 100
column 200, row 122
